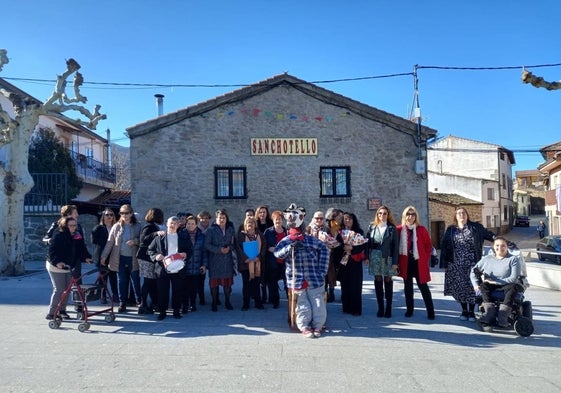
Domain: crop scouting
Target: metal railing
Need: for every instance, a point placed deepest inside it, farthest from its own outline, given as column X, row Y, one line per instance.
column 93, row 169
column 49, row 193
column 530, row 252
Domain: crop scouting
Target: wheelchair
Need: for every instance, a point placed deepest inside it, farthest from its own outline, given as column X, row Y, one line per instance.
column 520, row 317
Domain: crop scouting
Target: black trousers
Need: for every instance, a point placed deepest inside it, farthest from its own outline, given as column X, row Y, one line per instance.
column 191, row 289
column 413, row 271
column 509, row 289
column 177, row 284
column 251, row 289
column 350, row 276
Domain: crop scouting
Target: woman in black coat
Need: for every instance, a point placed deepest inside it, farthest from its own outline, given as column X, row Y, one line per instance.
column 154, row 218
column 67, row 250
column 461, row 249
column 170, row 244
column 99, row 237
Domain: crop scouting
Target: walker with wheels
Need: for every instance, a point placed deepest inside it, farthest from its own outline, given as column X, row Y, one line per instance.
column 81, row 295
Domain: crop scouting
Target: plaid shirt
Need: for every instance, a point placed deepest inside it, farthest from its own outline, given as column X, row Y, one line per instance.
column 310, row 264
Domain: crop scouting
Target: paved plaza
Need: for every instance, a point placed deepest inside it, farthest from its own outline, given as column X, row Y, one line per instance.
column 255, row 351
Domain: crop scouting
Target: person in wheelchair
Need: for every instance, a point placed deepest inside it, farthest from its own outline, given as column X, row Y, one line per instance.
column 498, row 271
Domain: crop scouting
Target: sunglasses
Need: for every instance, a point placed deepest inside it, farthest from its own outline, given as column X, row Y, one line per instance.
column 109, row 214
column 125, row 213
column 382, row 213
column 410, row 214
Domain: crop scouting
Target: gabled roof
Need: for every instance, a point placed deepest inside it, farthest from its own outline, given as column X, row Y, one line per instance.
column 28, row 98
column 553, row 147
column 452, row 199
column 107, row 199
column 493, row 146
column 307, row 88
column 112, row 198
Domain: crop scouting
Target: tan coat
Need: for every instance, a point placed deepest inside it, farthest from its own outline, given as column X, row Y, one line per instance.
column 113, row 246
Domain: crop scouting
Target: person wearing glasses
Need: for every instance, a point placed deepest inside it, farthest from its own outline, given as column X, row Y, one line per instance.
column 67, row 211
column 274, row 267
column 382, row 251
column 66, row 250
column 121, row 249
column 334, row 223
column 100, row 234
column 461, row 249
column 350, row 274
column 415, row 250
column 170, row 245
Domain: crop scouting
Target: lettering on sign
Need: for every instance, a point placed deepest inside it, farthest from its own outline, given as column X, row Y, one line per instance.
column 284, row 147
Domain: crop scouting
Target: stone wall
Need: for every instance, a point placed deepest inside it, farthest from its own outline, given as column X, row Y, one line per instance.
column 37, row 225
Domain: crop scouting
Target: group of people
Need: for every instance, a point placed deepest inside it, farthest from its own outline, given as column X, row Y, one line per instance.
column 156, row 257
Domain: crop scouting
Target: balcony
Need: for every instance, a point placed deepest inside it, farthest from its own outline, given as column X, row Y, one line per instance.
column 93, row 171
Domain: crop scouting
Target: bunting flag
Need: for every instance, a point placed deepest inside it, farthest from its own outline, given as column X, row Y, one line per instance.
column 256, row 112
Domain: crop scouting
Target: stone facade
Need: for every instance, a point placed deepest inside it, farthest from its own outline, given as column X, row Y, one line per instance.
column 443, row 211
column 173, row 157
column 36, row 225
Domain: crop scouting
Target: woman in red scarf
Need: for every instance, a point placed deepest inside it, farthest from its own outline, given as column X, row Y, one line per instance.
column 415, row 249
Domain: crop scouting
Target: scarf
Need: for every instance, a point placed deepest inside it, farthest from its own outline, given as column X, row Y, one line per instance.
column 403, row 241
column 296, row 234
column 315, row 230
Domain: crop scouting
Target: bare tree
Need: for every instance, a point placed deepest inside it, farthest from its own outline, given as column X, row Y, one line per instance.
column 15, row 135
column 538, row 81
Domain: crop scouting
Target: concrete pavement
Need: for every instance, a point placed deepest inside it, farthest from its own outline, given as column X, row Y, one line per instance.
column 255, row 351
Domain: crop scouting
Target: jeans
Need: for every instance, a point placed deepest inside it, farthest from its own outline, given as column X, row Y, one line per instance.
column 126, row 275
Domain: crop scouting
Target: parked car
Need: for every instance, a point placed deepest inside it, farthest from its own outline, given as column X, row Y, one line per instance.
column 550, row 244
column 522, row 221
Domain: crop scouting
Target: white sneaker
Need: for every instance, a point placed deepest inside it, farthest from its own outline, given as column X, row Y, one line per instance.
column 317, row 333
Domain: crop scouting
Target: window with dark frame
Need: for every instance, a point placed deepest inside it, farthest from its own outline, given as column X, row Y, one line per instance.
column 230, row 183
column 335, row 181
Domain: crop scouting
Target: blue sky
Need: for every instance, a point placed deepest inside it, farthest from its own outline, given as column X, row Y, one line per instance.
column 243, row 42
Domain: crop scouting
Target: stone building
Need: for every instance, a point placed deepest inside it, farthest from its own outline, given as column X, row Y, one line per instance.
column 279, row 141
column 443, row 211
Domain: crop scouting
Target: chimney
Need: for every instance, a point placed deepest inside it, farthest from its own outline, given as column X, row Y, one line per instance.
column 160, row 102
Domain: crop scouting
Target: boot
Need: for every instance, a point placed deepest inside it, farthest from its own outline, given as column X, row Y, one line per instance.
column 227, row 304
column 427, row 298
column 388, row 288
column 504, row 313
column 214, row 295
column 379, row 289
column 490, row 314
column 409, row 302
column 331, row 295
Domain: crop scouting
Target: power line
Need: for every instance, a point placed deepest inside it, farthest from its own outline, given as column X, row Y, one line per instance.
column 237, row 85
column 490, row 68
